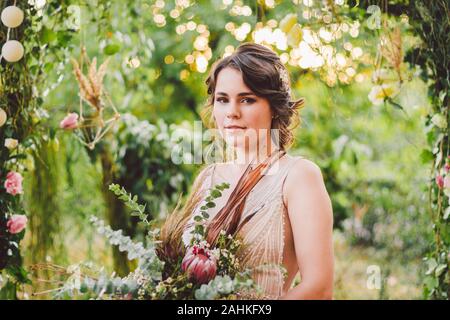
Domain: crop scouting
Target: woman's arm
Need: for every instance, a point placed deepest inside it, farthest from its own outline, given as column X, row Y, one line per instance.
column 311, row 217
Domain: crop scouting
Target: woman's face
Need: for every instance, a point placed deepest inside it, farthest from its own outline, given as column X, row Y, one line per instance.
column 236, row 105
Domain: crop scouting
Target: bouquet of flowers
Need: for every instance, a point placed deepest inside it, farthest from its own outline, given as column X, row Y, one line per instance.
column 163, row 271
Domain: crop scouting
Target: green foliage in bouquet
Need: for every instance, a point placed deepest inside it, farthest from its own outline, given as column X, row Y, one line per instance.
column 216, row 273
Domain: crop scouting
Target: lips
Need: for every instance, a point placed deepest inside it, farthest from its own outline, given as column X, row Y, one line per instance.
column 234, row 127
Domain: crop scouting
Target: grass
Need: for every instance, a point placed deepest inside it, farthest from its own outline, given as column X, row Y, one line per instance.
column 354, row 267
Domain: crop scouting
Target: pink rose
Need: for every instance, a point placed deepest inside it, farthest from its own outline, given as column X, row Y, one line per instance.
column 13, row 183
column 200, row 264
column 69, row 122
column 16, row 223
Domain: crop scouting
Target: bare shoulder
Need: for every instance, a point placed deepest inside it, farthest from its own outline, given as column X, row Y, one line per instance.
column 305, row 170
column 304, row 179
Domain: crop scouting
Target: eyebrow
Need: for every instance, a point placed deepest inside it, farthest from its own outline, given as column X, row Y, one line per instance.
column 241, row 94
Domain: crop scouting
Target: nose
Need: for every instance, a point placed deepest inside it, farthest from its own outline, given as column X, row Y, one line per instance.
column 233, row 110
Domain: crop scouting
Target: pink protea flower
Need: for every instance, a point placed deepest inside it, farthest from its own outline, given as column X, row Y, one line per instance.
column 16, row 223
column 13, row 183
column 200, row 264
column 69, row 122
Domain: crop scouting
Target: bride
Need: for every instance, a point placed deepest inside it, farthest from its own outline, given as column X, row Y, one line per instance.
column 276, row 203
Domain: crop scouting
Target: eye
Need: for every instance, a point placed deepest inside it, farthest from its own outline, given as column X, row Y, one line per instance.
column 249, row 100
column 221, row 99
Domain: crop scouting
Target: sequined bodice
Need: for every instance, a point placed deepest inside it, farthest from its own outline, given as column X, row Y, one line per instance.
column 264, row 234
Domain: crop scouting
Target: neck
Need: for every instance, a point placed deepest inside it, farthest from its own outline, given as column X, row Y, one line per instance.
column 254, row 155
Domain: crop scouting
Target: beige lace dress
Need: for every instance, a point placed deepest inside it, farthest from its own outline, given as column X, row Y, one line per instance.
column 267, row 237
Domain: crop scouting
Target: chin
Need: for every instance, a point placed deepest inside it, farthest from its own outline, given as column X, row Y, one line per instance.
column 240, row 139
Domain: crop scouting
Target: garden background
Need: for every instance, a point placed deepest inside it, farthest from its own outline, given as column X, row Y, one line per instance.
column 375, row 78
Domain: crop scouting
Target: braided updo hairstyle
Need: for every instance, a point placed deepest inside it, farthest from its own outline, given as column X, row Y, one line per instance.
column 264, row 73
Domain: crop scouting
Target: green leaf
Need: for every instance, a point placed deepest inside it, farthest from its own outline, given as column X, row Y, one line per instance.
column 149, row 184
column 432, row 264
column 223, row 186
column 84, row 288
column 8, row 291
column 216, row 193
column 199, row 228
column 431, row 283
column 442, row 95
column 19, row 273
column 426, row 156
column 48, row 35
column 48, row 67
column 63, row 38
column 205, row 215
column 111, row 49
column 440, row 268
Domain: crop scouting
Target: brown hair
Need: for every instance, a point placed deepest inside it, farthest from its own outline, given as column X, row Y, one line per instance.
column 264, row 73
